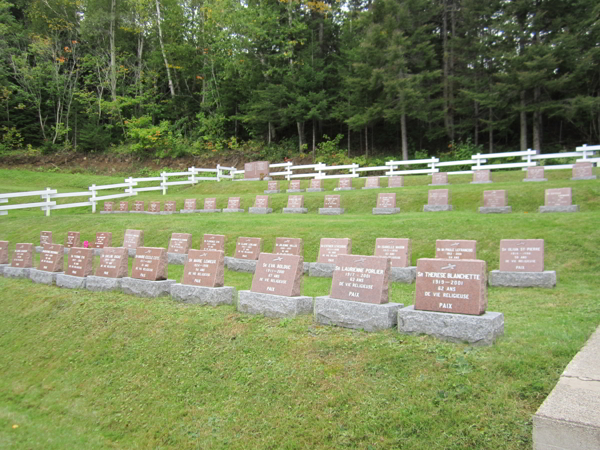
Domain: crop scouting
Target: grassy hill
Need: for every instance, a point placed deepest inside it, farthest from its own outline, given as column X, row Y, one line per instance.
column 96, row 370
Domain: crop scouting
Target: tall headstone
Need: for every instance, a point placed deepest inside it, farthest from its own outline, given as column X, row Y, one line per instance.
column 180, row 243
column 315, row 186
column 451, row 302
column 80, row 262
column 256, row 170
column 23, row 256
column 455, row 249
column 150, row 263
column 395, row 182
column 583, row 171
column 272, row 187
column 386, row 204
column 295, row 186
column 213, row 242
column 295, row 205
column 344, row 184
column 261, row 205
column 52, row 258
column 372, row 183
column 3, row 252
column 113, row 263
column 331, row 248
column 248, row 248
column 233, row 205
column 481, row 177
column 522, row 265
column 494, row 202
column 72, row 239
column 535, row 173
column 204, row 268
column 103, row 239
column 331, row 206
column 438, row 200
column 559, row 200
column 359, row 295
column 289, row 246
column 439, row 179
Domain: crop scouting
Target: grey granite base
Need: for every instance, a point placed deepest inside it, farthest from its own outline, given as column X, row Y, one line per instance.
column 67, row 249
column 357, row 315
column 315, row 190
column 476, row 330
column 108, row 212
column 272, row 191
column 559, row 209
column 153, row 213
column 441, row 184
column 146, row 288
column 177, row 258
column 200, row 295
column 131, row 252
column 545, row 279
column 233, row 210
column 535, row 179
column 253, row 210
column 292, row 191
column 118, row 212
column 481, row 182
column 372, row 187
column 331, row 211
column 2, row 266
column 98, row 251
column 137, row 212
column 241, row 265
column 593, row 177
column 435, row 208
column 322, row 270
column 166, row 213
column 273, row 305
column 305, row 267
column 403, row 274
column 209, row 210
column 102, row 284
column 385, row 211
column 17, row 272
column 39, row 249
column 70, row 282
column 189, row 211
column 43, row 277
column 343, row 189
column 495, row 209
column 295, row 210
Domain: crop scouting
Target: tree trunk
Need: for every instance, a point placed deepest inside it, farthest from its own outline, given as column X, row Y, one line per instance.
column 403, row 131
column 537, row 121
column 349, row 138
column 314, row 138
column 269, row 133
column 162, row 48
column 476, row 132
column 113, row 51
column 367, row 141
column 138, row 75
column 451, row 72
column 491, row 132
column 523, row 123
column 300, row 126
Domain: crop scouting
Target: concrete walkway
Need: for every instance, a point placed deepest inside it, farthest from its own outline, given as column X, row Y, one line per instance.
column 570, row 417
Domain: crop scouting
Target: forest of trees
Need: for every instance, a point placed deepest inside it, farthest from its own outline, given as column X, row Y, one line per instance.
column 174, row 77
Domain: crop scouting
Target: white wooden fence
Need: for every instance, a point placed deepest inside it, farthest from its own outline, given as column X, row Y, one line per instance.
column 132, row 187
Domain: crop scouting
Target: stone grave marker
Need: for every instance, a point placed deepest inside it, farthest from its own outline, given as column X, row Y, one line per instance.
column 535, row 173
column 372, row 183
column 108, row 207
column 295, row 201
column 455, row 249
column 559, row 200
column 438, row 200
column 256, row 170
column 331, row 205
column 80, row 262
column 210, row 203
column 204, row 268
column 133, row 239
column 189, row 204
column 138, row 206
column 113, row 263
column 315, row 186
column 439, row 179
column 330, row 248
column 248, row 248
column 481, row 177
column 452, row 286
column 52, row 258
column 3, row 252
column 180, row 243
column 294, row 186
column 261, row 205
column 213, row 242
column 272, row 187
column 72, row 239
column 289, row 246
column 233, row 205
column 103, row 239
column 170, row 207
column 154, row 207
column 583, row 171
column 123, row 206
column 150, row 263
column 398, row 250
column 45, row 238
column 395, row 182
column 522, row 255
column 23, row 256
column 494, row 202
column 361, row 279
column 278, row 274
column 344, row 184
column 386, row 204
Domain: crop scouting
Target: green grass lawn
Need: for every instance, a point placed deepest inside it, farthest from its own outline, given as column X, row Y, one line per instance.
column 108, row 370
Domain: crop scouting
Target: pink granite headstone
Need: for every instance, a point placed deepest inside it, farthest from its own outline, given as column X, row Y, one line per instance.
column 248, row 248
column 72, row 239
column 372, row 182
column 210, row 203
column 394, row 182
column 398, row 250
column 330, row 248
column 559, row 197
column 439, row 197
column 535, row 173
column 332, row 201
column 123, row 206
column 386, row 201
column 522, row 255
column 154, row 207
column 455, row 249
column 204, row 268
column 295, row 201
column 361, row 279
column 278, row 275
column 23, row 256
column 261, row 201
column 316, row 184
column 294, row 185
column 150, row 263
column 133, row 239
column 494, row 199
column 583, row 170
column 345, row 183
column 439, row 178
column 170, row 206
column 80, row 262
column 180, row 243
column 481, row 176
column 189, row 204
column 213, row 242
column 52, row 258
column 233, row 203
column 108, row 206
column 3, row 252
column 273, row 185
column 138, row 206
column 289, row 246
column 103, row 239
column 45, row 238
column 113, row 263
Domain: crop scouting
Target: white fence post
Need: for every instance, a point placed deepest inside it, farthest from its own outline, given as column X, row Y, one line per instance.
column 218, row 172
column 164, row 186
column 48, row 201
column 193, row 169
column 288, row 170
column 584, row 151
column 529, row 156
column 93, row 199
column 433, row 161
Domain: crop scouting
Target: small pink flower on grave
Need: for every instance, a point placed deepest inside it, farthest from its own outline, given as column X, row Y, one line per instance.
column 86, row 244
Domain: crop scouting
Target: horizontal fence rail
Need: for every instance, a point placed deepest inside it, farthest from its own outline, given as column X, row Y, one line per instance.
column 131, row 186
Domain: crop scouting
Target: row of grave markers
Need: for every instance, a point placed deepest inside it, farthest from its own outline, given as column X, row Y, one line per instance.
column 438, row 200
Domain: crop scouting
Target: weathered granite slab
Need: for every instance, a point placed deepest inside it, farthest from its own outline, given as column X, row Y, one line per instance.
column 272, row 191
column 102, row 284
column 270, row 305
column 476, row 330
column 2, row 266
column 295, row 210
column 146, row 288
column 385, row 211
column 17, row 272
column 435, row 208
column 545, row 279
column 254, row 210
column 315, row 190
column 42, row 276
column 403, row 274
column 331, row 211
column 241, row 265
column 559, row 209
column 209, row 210
column 495, row 210
column 356, row 315
column 233, row 210
column 201, row 295
column 343, row 189
column 70, row 281
column 323, row 270
column 176, row 258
